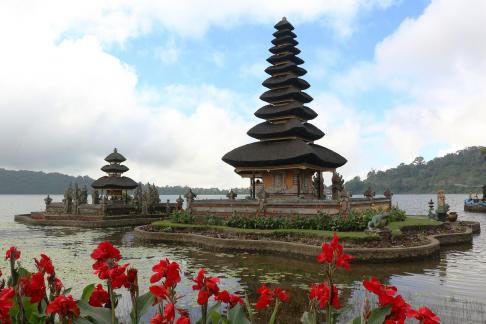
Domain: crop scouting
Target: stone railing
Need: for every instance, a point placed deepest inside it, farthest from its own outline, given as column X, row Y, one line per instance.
column 274, row 207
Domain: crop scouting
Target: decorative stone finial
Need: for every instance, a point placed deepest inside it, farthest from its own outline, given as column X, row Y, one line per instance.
column 115, row 150
column 284, row 18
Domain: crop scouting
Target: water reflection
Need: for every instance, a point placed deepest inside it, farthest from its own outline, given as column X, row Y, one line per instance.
column 452, row 283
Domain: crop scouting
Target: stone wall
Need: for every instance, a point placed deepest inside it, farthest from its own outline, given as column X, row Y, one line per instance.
column 303, row 207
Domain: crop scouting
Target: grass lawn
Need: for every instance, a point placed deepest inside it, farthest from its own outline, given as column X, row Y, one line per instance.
column 325, row 235
column 302, row 232
column 395, row 227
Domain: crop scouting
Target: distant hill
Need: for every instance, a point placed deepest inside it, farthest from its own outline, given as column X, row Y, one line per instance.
column 460, row 172
column 32, row 182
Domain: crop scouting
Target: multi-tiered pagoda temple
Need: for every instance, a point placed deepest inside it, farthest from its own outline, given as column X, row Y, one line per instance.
column 114, row 183
column 285, row 159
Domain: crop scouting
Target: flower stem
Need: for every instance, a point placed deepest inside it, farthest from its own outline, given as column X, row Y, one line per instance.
column 275, row 311
column 204, row 310
column 112, row 302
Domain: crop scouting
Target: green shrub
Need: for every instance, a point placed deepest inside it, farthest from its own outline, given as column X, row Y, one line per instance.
column 181, row 217
column 397, row 214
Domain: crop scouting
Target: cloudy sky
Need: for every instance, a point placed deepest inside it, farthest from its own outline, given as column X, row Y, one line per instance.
column 174, row 84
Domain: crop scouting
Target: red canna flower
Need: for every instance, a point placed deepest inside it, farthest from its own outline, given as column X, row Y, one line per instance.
column 169, row 312
column 64, row 306
column 424, row 315
column 12, row 253
column 44, row 265
column 400, row 309
column 33, row 287
column 183, row 320
column 132, row 277
column 385, row 293
column 159, row 293
column 6, row 303
column 106, row 251
column 321, row 292
column 281, row 294
column 227, row 298
column 267, row 295
column 158, row 319
column 58, row 284
column 118, row 276
column 334, row 253
column 169, row 315
column 99, row 297
column 207, row 287
column 168, row 270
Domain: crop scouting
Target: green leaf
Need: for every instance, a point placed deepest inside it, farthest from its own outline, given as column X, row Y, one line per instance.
column 81, row 320
column 215, row 317
column 144, row 303
column 87, row 291
column 237, row 315
column 248, row 308
column 357, row 320
column 308, row 318
column 378, row 315
column 95, row 314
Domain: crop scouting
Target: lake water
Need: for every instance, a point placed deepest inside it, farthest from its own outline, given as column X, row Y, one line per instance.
column 453, row 284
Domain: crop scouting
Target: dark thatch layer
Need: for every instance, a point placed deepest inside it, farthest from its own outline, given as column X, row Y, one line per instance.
column 285, row 80
column 108, row 182
column 284, row 94
column 114, row 168
column 283, row 24
column 292, row 128
column 276, row 153
column 115, row 157
column 290, row 109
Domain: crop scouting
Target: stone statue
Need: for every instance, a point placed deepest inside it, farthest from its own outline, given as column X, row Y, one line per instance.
column 68, row 199
column 138, row 197
column 337, row 185
column 167, row 206
column 231, row 195
column 369, row 193
column 442, row 207
column 48, row 201
column 388, row 194
column 179, row 203
column 76, row 199
column 155, row 195
column 316, row 185
column 84, row 195
column 189, row 198
column 379, row 221
column 431, row 213
column 345, row 204
column 95, row 197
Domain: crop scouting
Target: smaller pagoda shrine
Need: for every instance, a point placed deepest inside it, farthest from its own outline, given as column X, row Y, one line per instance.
column 114, row 183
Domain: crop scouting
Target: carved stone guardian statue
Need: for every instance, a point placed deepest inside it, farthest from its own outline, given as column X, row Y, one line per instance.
column 369, row 193
column 48, row 201
column 179, row 203
column 190, row 198
column 231, row 195
column 337, row 185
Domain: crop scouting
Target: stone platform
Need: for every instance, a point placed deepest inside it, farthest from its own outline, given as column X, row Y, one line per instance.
column 299, row 250
column 85, row 221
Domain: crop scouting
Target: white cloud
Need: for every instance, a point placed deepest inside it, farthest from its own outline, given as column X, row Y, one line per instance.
column 438, row 61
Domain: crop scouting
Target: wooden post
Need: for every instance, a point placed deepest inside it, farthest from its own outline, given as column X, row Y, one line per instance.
column 253, row 187
column 298, row 184
column 319, row 189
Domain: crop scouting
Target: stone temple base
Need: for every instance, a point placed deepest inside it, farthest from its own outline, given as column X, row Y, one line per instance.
column 284, row 207
column 86, row 221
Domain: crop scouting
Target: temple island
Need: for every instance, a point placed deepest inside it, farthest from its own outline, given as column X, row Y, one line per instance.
column 112, row 203
column 285, row 165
